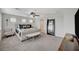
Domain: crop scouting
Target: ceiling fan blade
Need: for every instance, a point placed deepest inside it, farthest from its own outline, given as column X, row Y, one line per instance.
column 37, row 15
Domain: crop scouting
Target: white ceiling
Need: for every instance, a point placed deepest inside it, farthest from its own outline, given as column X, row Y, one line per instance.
column 39, row 11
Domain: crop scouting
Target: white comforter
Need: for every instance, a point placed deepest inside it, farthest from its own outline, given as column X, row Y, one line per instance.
column 28, row 31
column 25, row 32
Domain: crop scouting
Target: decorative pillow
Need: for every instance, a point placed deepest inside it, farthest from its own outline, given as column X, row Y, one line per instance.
column 25, row 26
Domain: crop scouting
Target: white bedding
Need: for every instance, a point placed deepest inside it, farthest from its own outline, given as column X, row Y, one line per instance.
column 28, row 31
column 23, row 33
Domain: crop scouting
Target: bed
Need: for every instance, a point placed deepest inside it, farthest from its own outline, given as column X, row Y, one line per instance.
column 25, row 31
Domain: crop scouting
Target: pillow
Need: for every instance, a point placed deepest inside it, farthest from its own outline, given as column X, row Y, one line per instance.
column 25, row 26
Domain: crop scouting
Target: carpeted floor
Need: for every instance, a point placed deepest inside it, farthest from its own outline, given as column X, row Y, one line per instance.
column 41, row 43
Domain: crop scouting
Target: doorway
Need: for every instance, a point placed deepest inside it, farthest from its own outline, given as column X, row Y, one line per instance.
column 51, row 27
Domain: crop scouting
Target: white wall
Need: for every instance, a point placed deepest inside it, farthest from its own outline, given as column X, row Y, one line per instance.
column 64, row 21
column 0, row 24
column 37, row 22
column 69, row 25
column 59, row 27
column 69, row 20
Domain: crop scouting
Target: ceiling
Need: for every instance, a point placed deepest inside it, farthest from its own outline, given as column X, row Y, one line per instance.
column 39, row 11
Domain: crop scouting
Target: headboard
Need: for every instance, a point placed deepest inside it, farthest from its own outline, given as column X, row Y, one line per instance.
column 25, row 26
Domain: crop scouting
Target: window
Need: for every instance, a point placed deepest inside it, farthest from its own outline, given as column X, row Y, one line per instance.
column 23, row 20
column 13, row 19
column 31, row 21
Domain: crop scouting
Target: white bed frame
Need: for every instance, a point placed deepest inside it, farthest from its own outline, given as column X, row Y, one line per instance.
column 25, row 37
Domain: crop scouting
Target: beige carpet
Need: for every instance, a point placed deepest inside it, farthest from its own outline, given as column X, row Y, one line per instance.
column 41, row 43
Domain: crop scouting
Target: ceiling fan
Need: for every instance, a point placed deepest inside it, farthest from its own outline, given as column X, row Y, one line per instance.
column 34, row 14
